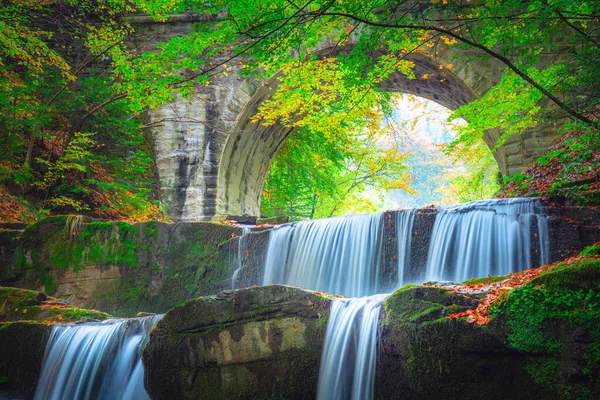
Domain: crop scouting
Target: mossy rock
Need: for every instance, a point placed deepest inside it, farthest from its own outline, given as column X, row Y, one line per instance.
column 593, row 250
column 262, row 342
column 554, row 322
column 423, row 354
column 543, row 340
column 278, row 220
column 485, row 280
column 29, row 305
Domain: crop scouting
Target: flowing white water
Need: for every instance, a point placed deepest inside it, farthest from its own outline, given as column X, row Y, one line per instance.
column 485, row 237
column 336, row 255
column 404, row 227
column 240, row 255
column 349, row 353
column 96, row 361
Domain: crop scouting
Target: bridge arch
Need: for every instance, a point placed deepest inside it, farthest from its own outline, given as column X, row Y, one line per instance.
column 251, row 147
column 211, row 160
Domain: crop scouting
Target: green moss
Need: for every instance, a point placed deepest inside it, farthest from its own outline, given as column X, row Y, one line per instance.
column 18, row 298
column 20, row 258
column 488, row 279
column 74, row 314
column 193, row 259
column 593, row 250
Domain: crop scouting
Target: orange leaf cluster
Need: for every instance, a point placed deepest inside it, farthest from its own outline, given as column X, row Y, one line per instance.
column 496, row 292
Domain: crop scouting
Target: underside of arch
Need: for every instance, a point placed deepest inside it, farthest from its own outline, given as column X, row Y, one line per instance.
column 251, row 147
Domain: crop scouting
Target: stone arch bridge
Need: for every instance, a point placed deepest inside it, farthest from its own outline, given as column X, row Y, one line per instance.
column 211, row 160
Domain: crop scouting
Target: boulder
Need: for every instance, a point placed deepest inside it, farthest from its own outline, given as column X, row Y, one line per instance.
column 262, row 342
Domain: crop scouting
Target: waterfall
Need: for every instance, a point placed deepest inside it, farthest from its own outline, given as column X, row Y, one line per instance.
column 490, row 237
column 349, row 353
column 240, row 255
column 96, row 360
column 404, row 227
column 335, row 255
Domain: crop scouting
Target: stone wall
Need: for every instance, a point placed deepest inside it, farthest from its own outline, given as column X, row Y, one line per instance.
column 122, row 268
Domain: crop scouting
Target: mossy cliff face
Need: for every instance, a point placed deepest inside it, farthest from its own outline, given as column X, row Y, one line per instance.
column 122, row 268
column 262, row 342
column 543, row 341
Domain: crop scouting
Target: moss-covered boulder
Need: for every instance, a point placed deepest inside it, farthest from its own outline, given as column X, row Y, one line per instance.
column 262, row 342
column 124, row 268
column 543, row 339
column 554, row 323
column 425, row 355
column 29, row 305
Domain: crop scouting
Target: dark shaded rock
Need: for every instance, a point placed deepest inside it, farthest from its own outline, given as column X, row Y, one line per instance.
column 263, row 342
column 423, row 355
column 389, row 251
column 22, row 347
column 8, row 247
column 422, row 229
column 571, row 228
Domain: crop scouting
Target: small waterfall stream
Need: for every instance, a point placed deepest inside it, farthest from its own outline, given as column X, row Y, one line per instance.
column 96, row 361
column 240, row 255
column 490, row 237
column 404, row 227
column 334, row 255
column 349, row 353
column 343, row 255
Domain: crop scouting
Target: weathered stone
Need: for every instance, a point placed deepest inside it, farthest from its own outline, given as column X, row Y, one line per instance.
column 253, row 252
column 278, row 220
column 252, row 343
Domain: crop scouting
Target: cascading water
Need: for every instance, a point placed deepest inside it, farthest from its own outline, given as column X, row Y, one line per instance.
column 342, row 255
column 404, row 226
column 336, row 255
column 240, row 255
column 485, row 237
column 96, row 360
column 349, row 354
